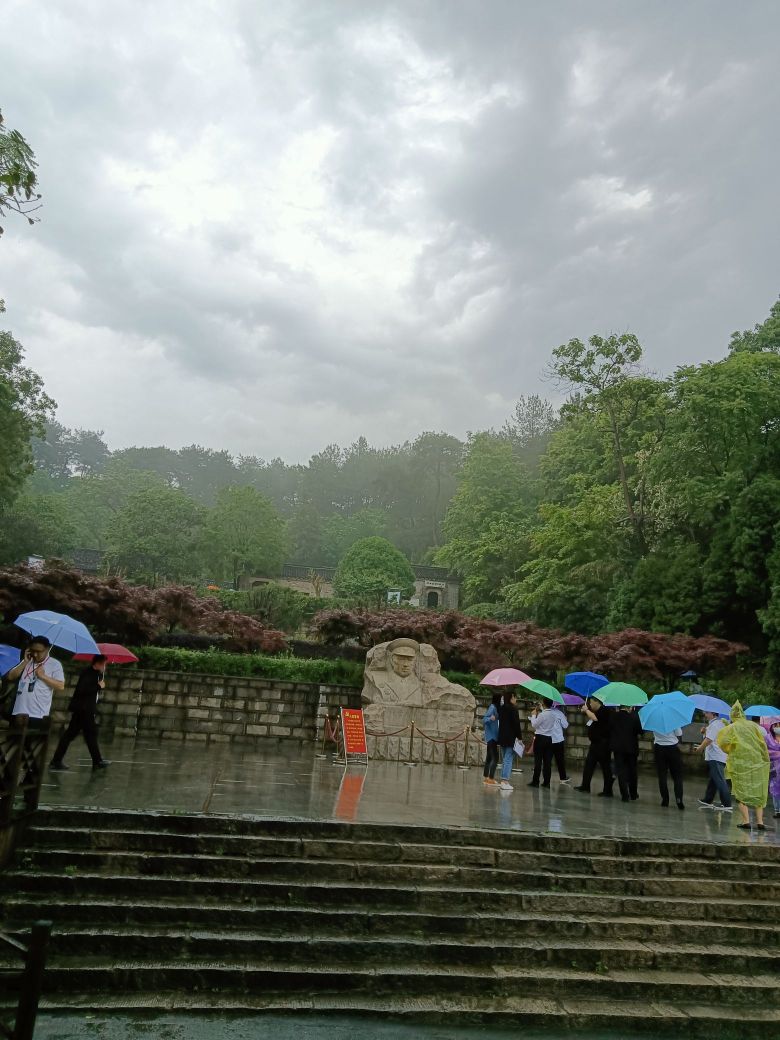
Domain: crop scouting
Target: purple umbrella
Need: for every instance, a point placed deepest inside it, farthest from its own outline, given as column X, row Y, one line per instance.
column 572, row 698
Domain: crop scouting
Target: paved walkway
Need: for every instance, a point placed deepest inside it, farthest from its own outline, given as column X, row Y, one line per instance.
column 290, row 781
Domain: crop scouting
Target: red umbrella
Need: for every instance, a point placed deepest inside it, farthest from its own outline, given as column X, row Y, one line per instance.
column 113, row 653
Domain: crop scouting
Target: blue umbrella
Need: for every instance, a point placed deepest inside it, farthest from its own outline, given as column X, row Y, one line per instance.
column 760, row 710
column 585, row 683
column 666, row 712
column 706, row 702
column 689, row 675
column 9, row 658
column 59, row 629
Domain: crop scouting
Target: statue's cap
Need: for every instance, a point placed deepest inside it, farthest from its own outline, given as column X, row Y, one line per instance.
column 403, row 647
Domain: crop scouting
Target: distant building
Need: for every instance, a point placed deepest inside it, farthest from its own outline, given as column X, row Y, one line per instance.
column 433, row 586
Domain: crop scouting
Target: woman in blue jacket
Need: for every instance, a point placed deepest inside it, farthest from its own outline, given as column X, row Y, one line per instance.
column 490, row 722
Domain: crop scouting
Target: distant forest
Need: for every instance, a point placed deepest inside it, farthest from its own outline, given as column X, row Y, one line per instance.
column 642, row 501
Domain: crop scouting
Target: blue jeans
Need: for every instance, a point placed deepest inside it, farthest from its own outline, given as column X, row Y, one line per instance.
column 717, row 782
column 506, row 765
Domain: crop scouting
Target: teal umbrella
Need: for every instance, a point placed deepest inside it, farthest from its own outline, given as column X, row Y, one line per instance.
column 621, row 693
column 543, row 689
column 666, row 712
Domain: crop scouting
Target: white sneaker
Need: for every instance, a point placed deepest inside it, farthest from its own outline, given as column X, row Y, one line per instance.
column 724, row 808
column 566, row 781
column 506, row 786
column 706, row 805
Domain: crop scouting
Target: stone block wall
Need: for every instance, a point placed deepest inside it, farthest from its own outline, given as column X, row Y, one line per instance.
column 210, row 708
column 217, row 709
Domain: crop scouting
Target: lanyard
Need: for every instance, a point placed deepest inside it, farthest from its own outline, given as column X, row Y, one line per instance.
column 29, row 670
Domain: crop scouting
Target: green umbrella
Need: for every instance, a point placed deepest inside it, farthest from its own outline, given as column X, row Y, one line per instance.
column 544, row 690
column 616, row 693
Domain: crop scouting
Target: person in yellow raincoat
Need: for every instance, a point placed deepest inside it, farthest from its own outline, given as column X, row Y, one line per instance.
column 748, row 765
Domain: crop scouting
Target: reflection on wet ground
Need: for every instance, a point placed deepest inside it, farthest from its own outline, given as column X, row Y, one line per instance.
column 288, row 780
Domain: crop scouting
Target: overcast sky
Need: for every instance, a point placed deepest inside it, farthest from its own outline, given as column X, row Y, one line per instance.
column 273, row 225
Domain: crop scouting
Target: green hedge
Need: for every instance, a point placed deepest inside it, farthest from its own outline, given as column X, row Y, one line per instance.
column 218, row 662
column 289, row 669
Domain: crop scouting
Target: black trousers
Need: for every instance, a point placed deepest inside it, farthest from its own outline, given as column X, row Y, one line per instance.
column 598, row 755
column 558, row 751
column 668, row 760
column 81, row 721
column 626, row 769
column 491, row 759
column 543, row 754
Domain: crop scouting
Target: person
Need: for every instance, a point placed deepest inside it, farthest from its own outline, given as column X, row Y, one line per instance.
column 40, row 675
column 668, row 760
column 82, row 720
column 558, row 744
column 508, row 732
column 715, row 759
column 598, row 752
column 773, row 747
column 490, row 722
column 547, row 722
column 625, row 730
column 747, row 766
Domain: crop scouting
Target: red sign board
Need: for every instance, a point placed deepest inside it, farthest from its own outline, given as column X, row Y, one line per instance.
column 354, row 730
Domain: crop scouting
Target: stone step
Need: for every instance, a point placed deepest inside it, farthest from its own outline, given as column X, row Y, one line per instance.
column 422, row 898
column 317, row 923
column 254, row 846
column 113, row 819
column 400, row 981
column 589, row 1015
column 226, row 867
column 83, row 946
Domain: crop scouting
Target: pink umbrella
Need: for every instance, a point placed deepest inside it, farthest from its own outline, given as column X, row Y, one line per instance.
column 504, row 677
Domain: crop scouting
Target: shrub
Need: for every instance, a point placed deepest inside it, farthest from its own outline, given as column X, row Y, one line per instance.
column 218, row 662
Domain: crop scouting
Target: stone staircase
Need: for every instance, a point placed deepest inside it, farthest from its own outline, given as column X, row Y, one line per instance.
column 197, row 912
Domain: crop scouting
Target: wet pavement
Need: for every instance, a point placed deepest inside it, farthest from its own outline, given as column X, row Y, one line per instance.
column 290, row 781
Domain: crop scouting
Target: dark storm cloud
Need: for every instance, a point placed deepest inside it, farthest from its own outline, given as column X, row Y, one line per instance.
column 281, row 226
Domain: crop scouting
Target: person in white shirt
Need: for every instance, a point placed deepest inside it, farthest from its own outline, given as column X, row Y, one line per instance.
column 39, row 675
column 715, row 758
column 548, row 725
column 668, row 759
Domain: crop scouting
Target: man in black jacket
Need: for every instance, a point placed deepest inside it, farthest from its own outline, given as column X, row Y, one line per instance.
column 625, row 729
column 82, row 720
column 598, row 752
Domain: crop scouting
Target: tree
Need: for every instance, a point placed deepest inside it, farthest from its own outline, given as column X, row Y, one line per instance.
column 244, row 535
column 761, row 337
column 339, row 533
column 36, row 525
column 369, row 569
column 601, row 372
column 489, row 518
column 24, row 408
column 157, row 534
column 530, row 426
column 18, row 179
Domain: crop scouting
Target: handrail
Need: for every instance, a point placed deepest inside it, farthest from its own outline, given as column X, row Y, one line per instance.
column 30, row 980
column 22, row 765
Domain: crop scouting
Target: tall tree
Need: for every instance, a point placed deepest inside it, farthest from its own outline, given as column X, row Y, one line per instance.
column 24, row 408
column 245, row 534
column 156, row 535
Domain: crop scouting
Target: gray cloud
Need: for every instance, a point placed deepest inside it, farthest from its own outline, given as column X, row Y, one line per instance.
column 271, row 228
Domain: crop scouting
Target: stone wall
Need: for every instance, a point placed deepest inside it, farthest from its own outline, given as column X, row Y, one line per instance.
column 210, row 708
column 225, row 709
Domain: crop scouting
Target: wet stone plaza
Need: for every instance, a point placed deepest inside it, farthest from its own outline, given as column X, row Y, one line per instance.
column 290, row 781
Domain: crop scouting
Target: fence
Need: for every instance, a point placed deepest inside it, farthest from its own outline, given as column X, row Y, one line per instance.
column 28, row 980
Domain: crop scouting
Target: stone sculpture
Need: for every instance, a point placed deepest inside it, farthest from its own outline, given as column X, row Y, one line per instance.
column 403, row 684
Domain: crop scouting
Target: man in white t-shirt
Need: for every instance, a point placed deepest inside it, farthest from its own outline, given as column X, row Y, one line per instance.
column 715, row 758
column 39, row 676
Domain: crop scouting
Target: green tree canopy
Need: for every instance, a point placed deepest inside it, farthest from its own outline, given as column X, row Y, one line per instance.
column 244, row 534
column 24, row 408
column 157, row 533
column 18, row 177
column 369, row 569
